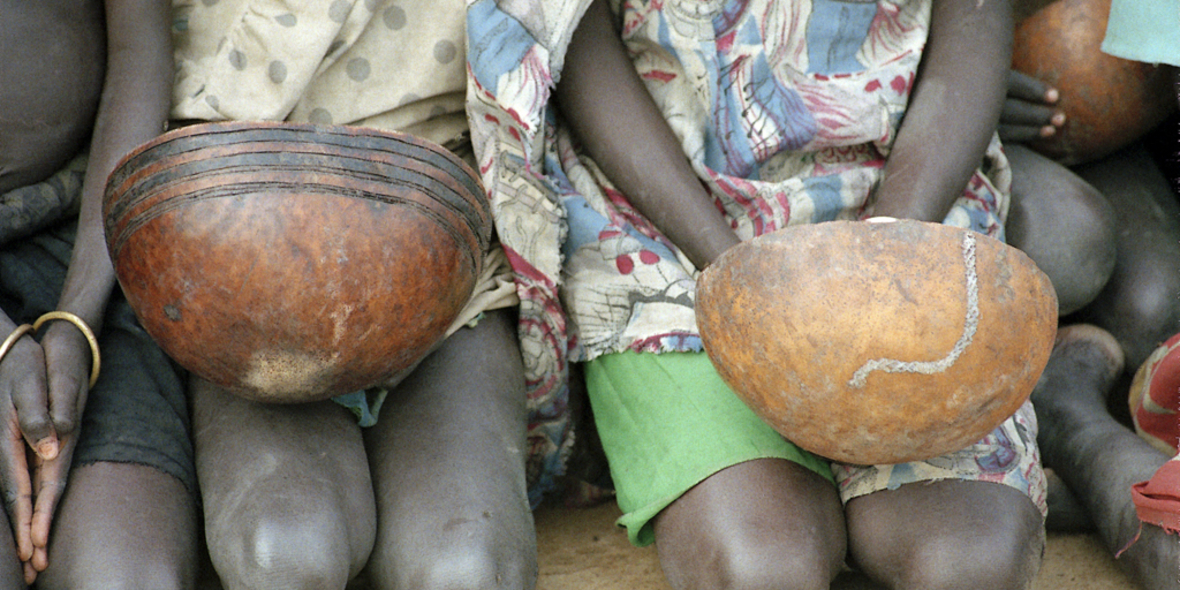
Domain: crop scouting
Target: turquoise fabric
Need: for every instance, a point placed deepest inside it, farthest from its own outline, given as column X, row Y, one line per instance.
column 1144, row 30
column 364, row 404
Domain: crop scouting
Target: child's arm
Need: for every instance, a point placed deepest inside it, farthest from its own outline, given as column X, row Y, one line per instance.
column 134, row 108
column 953, row 111
column 612, row 114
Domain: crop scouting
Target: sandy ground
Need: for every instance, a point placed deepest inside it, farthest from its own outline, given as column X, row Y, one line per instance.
column 583, row 550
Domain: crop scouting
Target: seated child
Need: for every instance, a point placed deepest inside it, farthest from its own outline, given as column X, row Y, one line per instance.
column 712, row 123
column 432, row 491
column 128, row 516
column 1105, row 231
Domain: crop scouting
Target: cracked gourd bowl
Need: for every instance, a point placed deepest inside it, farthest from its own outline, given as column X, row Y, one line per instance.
column 290, row 262
column 875, row 343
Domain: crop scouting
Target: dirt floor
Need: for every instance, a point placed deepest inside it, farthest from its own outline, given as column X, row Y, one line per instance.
column 582, row 550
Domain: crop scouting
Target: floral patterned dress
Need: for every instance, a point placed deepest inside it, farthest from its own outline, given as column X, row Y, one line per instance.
column 786, row 110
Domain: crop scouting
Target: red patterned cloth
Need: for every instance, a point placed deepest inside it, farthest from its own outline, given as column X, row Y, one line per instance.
column 1157, row 501
column 1155, row 408
column 1155, row 397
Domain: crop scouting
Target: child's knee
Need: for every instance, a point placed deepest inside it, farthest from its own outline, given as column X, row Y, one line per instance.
column 294, row 551
column 947, row 534
column 752, row 564
column 1146, row 312
column 998, row 563
column 478, row 567
column 1068, row 228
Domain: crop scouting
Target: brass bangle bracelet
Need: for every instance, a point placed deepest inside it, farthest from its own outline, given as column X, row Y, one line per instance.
column 81, row 325
column 17, row 332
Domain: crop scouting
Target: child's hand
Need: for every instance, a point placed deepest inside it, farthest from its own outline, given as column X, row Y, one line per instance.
column 50, row 424
column 1029, row 111
column 43, row 387
column 19, row 372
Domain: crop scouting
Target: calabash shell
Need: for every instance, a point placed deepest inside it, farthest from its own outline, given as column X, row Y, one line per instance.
column 875, row 343
column 291, row 262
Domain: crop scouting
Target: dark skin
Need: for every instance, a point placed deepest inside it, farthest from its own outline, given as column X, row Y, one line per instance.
column 1097, row 457
column 771, row 523
column 42, row 126
column 1119, row 213
column 98, row 531
column 432, row 497
column 452, row 437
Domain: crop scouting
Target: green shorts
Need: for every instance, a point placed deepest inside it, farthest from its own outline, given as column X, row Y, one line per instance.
column 668, row 421
column 687, row 425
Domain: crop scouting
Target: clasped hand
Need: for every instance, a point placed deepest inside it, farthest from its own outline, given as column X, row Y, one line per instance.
column 43, row 388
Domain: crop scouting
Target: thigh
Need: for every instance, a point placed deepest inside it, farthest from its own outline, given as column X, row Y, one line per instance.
column 667, row 422
column 449, row 470
column 138, row 412
column 1139, row 305
column 286, row 490
column 968, row 519
column 1007, row 455
column 1065, row 225
column 123, row 525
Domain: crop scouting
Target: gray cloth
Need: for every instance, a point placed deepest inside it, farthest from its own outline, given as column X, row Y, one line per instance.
column 26, row 210
column 137, row 411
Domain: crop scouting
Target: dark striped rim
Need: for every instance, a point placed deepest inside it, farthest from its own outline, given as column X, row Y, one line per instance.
column 380, row 165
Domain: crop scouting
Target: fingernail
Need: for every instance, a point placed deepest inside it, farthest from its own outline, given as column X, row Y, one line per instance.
column 1051, row 95
column 1058, row 119
column 1048, row 131
column 47, row 449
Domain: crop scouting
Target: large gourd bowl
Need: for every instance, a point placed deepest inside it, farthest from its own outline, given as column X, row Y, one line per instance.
column 291, row 262
column 875, row 343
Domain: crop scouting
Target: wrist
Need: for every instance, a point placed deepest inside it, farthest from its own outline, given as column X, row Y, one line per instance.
column 67, row 327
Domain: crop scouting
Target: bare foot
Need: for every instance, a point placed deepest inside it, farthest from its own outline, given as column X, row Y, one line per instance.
column 1153, row 560
column 1098, row 458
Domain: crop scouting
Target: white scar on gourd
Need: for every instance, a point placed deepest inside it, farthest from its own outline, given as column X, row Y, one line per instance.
column 970, row 324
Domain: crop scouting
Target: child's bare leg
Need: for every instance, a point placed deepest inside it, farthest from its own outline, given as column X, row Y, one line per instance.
column 947, row 534
column 287, row 496
column 123, row 525
column 1066, row 512
column 1098, row 457
column 447, row 458
column 1065, row 225
column 766, row 524
column 1139, row 305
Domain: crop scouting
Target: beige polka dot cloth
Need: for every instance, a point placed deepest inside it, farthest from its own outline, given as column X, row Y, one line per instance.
column 390, row 64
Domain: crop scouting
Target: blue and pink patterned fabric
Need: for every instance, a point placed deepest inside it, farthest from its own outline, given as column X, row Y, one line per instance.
column 786, row 110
